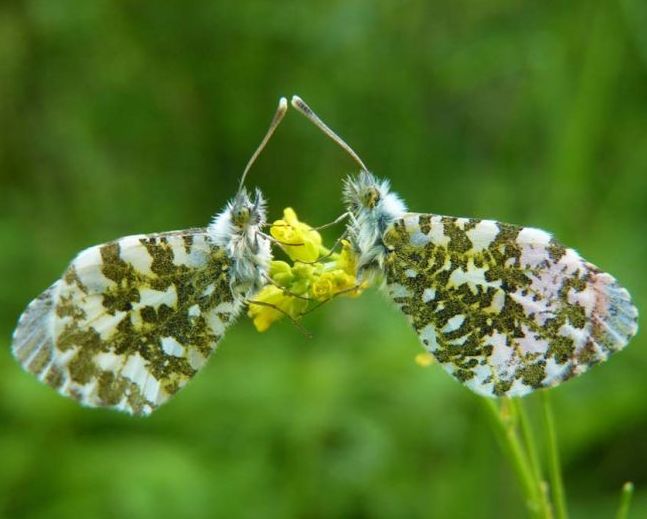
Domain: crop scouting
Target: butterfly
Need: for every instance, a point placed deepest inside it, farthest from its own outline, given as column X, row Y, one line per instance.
column 131, row 321
column 504, row 309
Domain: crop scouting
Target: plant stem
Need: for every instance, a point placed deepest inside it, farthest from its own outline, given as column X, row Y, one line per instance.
column 533, row 456
column 553, row 458
column 507, row 434
column 625, row 500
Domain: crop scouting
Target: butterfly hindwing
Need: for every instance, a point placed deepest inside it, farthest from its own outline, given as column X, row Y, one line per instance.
column 504, row 309
column 130, row 321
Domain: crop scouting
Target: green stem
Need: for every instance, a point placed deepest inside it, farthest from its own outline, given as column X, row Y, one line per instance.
column 509, row 439
column 553, row 458
column 625, row 500
column 533, row 456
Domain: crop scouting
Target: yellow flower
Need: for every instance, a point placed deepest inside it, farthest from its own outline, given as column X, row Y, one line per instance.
column 323, row 288
column 263, row 316
column 304, row 275
column 307, row 278
column 306, row 241
column 343, row 281
column 281, row 273
column 347, row 260
column 424, row 359
column 280, row 304
column 331, row 283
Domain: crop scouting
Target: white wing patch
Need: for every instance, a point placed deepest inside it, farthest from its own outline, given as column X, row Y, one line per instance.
column 482, row 234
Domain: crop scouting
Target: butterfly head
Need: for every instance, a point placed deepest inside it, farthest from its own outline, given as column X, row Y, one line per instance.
column 372, row 206
column 247, row 213
column 241, row 220
column 369, row 196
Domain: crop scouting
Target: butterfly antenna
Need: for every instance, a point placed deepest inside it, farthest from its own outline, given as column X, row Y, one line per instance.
column 276, row 120
column 302, row 107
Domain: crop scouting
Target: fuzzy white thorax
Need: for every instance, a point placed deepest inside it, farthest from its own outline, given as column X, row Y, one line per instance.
column 373, row 207
column 249, row 250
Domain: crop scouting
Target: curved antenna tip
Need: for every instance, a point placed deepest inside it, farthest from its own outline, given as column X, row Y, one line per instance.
column 276, row 120
column 296, row 101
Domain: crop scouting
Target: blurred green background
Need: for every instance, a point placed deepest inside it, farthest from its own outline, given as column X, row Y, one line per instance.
column 121, row 117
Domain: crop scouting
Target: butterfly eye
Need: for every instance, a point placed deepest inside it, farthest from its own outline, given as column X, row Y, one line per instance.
column 371, row 197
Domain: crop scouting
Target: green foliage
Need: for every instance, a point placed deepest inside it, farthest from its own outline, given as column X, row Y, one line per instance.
column 127, row 117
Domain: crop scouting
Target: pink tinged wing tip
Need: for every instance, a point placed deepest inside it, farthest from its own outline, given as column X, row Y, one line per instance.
column 616, row 311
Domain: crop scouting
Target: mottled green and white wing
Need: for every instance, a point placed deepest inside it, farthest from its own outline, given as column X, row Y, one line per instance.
column 505, row 309
column 131, row 321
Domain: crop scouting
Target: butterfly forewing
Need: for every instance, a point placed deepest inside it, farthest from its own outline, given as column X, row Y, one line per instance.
column 130, row 321
column 504, row 309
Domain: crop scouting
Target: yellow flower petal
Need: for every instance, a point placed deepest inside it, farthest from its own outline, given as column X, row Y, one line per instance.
column 263, row 316
column 347, row 260
column 290, row 216
column 306, row 242
column 323, row 287
column 342, row 281
column 281, row 273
